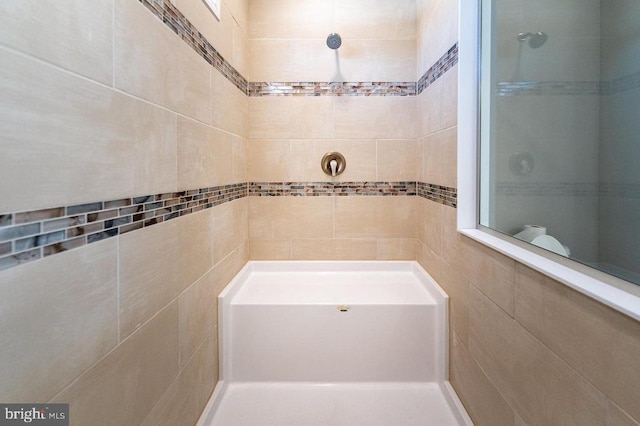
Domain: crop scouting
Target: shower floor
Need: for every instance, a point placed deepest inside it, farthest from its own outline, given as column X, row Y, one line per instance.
column 373, row 404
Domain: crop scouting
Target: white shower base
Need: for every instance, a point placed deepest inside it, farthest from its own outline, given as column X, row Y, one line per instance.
column 333, row 343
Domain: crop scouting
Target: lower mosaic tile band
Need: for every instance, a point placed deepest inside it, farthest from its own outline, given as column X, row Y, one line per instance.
column 31, row 235
column 440, row 194
column 331, row 189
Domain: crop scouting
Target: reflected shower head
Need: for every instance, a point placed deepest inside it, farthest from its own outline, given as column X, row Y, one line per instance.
column 535, row 39
column 334, row 41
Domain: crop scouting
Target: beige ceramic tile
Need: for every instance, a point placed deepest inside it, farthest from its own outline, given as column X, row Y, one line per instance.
column 449, row 157
column 431, row 167
column 490, row 272
column 311, row 19
column 397, row 160
column 151, row 278
column 458, row 288
column 312, row 60
column 218, row 33
column 269, row 19
column 438, row 104
column 334, row 249
column 291, row 117
column 481, row 399
column 356, row 60
column 270, row 60
column 227, row 268
column 230, row 227
column 240, row 11
column 306, row 155
column 541, row 387
column 240, row 148
column 439, row 158
column 421, row 160
column 617, row 417
column 47, row 118
column 451, row 241
column 75, row 35
column 229, row 106
column 187, row 396
column 430, row 261
column 573, row 325
column 429, row 220
column 269, row 160
column 518, row 421
column 378, row 60
column 56, row 324
column 290, row 217
column 125, row 385
column 159, row 66
column 437, row 32
column 375, row 217
column 240, row 58
column 203, row 155
column 376, row 19
column 423, row 172
column 381, row 117
column 397, row 249
column 270, row 249
column 198, row 315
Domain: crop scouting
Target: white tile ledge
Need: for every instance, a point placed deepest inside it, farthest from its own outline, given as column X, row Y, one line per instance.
column 623, row 297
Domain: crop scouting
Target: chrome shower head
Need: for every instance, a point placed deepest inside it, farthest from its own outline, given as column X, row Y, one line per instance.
column 535, row 39
column 334, row 41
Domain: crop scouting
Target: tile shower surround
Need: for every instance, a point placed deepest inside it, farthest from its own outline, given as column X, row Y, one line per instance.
column 31, row 235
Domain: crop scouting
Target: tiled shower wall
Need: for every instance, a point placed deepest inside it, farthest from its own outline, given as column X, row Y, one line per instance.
column 524, row 349
column 289, row 134
column 104, row 98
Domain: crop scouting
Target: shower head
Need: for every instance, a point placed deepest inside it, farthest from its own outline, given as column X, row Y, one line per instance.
column 535, row 39
column 334, row 41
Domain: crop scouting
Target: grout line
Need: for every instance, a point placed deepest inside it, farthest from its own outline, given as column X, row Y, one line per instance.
column 113, row 44
column 118, row 273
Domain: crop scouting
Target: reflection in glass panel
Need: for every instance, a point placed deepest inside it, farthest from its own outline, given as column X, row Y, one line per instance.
column 560, row 128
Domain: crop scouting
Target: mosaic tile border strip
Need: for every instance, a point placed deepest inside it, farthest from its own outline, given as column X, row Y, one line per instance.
column 331, row 189
column 179, row 24
column 569, row 189
column 32, row 235
column 440, row 194
column 623, row 84
column 547, row 189
column 549, row 88
column 259, row 89
column 442, row 65
column 620, row 190
column 569, row 88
